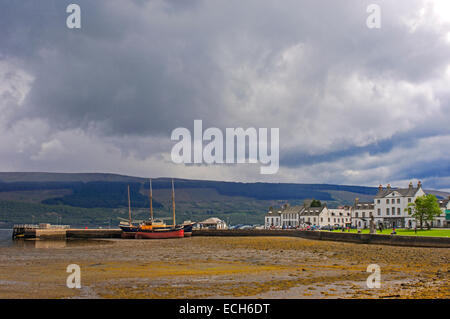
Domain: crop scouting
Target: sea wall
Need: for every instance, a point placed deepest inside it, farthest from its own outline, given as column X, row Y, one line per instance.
column 45, row 233
column 93, row 233
column 377, row 239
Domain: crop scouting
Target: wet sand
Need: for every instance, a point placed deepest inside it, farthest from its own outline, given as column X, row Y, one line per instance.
column 222, row 267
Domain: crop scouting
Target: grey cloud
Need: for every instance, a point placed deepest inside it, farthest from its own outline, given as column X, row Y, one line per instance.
column 138, row 69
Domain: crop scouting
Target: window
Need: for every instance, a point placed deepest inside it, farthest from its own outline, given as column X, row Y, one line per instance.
column 378, row 201
column 356, row 214
column 398, row 200
column 409, row 200
column 387, row 211
column 398, row 211
column 364, row 214
column 387, row 201
column 379, row 211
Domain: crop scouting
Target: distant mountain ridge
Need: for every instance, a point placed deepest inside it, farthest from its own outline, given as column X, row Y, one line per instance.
column 91, row 198
column 279, row 190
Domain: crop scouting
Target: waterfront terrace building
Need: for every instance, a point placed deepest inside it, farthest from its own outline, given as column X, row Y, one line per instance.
column 290, row 216
column 272, row 219
column 362, row 212
column 340, row 216
column 443, row 220
column 315, row 216
column 391, row 205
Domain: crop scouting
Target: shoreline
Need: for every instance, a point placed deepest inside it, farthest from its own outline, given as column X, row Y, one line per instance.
column 226, row 267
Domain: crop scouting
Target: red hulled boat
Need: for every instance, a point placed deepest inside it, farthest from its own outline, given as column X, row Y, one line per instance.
column 148, row 230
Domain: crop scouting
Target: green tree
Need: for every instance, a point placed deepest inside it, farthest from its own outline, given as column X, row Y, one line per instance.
column 316, row 203
column 424, row 208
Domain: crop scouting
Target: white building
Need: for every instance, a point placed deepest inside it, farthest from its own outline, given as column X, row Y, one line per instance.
column 213, row 223
column 361, row 214
column 441, row 220
column 314, row 216
column 272, row 219
column 391, row 205
column 290, row 216
column 341, row 216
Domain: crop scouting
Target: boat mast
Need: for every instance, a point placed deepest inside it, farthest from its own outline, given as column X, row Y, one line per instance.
column 151, row 198
column 173, row 203
column 129, row 205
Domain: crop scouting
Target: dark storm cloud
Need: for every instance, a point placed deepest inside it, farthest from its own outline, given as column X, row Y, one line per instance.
column 149, row 66
column 141, row 68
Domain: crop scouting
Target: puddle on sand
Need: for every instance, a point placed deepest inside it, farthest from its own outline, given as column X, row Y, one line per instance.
column 50, row 244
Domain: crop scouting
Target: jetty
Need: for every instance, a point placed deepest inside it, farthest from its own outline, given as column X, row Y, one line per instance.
column 47, row 231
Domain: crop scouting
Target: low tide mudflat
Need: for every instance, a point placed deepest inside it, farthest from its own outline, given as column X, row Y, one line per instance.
column 222, row 267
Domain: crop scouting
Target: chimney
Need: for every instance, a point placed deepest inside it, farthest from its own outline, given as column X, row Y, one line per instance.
column 419, row 184
column 380, row 188
column 410, row 185
column 389, row 186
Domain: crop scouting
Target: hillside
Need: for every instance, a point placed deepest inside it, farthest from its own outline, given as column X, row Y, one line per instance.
column 99, row 199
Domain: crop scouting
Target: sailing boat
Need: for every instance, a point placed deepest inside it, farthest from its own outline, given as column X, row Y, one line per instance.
column 128, row 229
column 156, row 223
column 150, row 231
column 159, row 223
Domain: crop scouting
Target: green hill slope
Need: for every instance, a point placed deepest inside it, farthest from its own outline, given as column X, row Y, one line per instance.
column 98, row 199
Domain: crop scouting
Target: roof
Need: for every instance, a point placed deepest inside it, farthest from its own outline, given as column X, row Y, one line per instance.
column 212, row 220
column 443, row 203
column 364, row 205
column 406, row 192
column 273, row 212
column 315, row 211
column 292, row 209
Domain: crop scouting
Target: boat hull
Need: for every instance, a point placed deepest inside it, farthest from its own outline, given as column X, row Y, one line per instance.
column 187, row 230
column 160, row 234
column 128, row 232
column 128, row 235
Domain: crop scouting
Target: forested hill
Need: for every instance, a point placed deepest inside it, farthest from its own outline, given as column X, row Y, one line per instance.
column 92, row 199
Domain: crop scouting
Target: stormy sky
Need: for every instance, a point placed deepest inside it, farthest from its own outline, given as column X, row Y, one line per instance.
column 354, row 105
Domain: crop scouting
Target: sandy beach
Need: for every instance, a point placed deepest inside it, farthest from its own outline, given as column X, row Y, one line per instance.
column 220, row 267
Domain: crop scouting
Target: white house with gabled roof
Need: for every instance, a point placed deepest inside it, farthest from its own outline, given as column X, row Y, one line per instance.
column 391, row 205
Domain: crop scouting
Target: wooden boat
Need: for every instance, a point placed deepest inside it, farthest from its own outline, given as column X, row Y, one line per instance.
column 149, row 232
column 187, row 227
column 128, row 229
column 152, row 230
